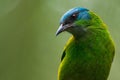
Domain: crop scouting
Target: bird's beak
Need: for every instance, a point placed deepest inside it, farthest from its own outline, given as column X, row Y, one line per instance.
column 62, row 28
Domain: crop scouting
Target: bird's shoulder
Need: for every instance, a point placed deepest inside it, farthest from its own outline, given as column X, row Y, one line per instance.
column 69, row 42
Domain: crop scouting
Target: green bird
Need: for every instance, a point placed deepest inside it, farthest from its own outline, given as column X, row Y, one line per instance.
column 89, row 52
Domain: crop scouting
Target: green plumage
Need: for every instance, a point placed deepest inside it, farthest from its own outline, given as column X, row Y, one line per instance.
column 89, row 53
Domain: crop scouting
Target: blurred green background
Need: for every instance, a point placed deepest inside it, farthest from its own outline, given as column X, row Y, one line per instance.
column 29, row 49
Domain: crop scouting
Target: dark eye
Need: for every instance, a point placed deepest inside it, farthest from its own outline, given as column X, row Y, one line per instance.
column 74, row 16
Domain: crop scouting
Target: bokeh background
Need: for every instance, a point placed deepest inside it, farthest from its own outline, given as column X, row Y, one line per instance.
column 29, row 49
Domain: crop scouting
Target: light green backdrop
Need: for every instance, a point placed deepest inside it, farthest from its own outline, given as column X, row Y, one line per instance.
column 29, row 49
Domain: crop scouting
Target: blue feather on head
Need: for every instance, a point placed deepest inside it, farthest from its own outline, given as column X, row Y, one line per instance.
column 82, row 13
column 69, row 19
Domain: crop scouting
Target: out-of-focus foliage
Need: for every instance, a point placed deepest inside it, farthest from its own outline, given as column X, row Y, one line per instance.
column 29, row 49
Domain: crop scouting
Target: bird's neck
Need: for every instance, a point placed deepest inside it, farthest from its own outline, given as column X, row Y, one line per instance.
column 78, row 32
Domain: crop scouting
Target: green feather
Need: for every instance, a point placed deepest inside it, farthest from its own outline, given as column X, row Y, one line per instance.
column 90, row 55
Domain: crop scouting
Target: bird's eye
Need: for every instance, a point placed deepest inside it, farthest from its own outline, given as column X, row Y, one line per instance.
column 74, row 16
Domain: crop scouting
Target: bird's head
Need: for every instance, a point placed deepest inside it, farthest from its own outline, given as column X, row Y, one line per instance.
column 75, row 21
